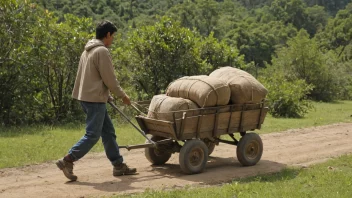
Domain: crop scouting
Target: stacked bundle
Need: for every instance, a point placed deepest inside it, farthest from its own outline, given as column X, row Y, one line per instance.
column 163, row 107
column 244, row 87
column 217, row 89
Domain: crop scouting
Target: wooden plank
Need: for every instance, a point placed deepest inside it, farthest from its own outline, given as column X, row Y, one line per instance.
column 206, row 127
column 183, row 124
column 251, row 116
column 159, row 125
column 229, row 120
column 163, row 134
column 216, row 123
column 204, row 134
column 141, row 124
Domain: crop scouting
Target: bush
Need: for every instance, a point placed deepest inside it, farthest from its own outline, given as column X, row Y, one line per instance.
column 345, row 84
column 38, row 63
column 287, row 98
column 302, row 59
column 153, row 56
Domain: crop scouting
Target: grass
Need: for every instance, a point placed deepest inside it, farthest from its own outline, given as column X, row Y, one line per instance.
column 36, row 144
column 322, row 114
column 330, row 179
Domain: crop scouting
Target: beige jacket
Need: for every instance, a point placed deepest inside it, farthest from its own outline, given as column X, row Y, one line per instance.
column 95, row 75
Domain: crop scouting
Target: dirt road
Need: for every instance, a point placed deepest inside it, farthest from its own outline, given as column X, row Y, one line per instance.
column 293, row 147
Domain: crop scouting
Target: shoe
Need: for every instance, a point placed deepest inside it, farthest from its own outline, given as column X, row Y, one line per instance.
column 123, row 169
column 67, row 168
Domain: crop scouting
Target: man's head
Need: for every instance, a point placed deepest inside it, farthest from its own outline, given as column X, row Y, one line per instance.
column 105, row 32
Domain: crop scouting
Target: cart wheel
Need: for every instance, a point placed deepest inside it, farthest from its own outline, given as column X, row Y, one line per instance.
column 193, row 156
column 157, row 156
column 249, row 149
column 210, row 145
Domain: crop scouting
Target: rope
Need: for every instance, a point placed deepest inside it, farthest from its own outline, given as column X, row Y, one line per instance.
column 138, row 110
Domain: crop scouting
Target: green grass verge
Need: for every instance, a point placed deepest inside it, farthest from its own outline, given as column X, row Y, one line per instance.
column 322, row 114
column 330, row 179
column 28, row 145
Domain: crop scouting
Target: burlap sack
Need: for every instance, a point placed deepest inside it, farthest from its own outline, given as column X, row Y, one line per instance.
column 244, row 87
column 204, row 90
column 163, row 107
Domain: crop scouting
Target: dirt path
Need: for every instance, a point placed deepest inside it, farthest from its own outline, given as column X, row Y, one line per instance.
column 293, row 147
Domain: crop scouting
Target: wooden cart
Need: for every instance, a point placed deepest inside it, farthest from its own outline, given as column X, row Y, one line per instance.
column 195, row 133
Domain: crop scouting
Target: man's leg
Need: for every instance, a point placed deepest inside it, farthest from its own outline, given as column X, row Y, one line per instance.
column 94, row 123
column 109, row 141
column 112, row 149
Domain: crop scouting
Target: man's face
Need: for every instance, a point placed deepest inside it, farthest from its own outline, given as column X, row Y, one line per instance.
column 109, row 39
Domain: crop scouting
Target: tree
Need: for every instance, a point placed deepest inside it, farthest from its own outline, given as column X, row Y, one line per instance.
column 257, row 41
column 156, row 55
column 286, row 97
column 302, row 59
column 337, row 34
column 38, row 60
column 218, row 54
column 62, row 44
column 332, row 6
column 317, row 19
column 207, row 16
column 16, row 22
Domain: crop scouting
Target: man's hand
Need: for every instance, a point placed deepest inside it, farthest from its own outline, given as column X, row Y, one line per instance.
column 110, row 99
column 126, row 100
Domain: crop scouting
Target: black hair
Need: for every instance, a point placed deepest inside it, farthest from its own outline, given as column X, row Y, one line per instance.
column 103, row 28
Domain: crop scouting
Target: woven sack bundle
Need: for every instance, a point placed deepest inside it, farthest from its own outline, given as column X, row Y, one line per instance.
column 244, row 87
column 163, row 107
column 204, row 90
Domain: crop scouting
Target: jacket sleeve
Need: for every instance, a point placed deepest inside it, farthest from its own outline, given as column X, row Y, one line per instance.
column 107, row 73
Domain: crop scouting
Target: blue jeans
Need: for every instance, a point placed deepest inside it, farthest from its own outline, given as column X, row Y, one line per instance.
column 98, row 123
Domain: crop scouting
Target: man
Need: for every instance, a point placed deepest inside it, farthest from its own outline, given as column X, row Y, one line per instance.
column 94, row 81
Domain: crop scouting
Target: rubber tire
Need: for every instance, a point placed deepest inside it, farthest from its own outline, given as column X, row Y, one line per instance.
column 154, row 156
column 189, row 148
column 249, row 141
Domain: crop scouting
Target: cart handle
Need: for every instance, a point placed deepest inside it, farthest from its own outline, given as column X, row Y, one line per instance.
column 138, row 129
column 139, row 111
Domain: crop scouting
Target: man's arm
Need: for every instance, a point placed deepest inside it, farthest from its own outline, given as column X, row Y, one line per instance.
column 107, row 73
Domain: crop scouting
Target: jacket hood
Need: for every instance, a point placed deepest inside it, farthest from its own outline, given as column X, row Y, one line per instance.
column 93, row 43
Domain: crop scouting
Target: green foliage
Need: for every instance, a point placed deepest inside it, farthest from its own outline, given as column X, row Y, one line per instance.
column 331, row 6
column 14, row 30
column 258, row 41
column 289, row 11
column 299, row 15
column 38, row 63
column 338, row 32
column 345, row 79
column 218, row 54
column 62, row 44
column 159, row 54
column 303, row 60
column 156, row 55
column 316, row 19
column 286, row 98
